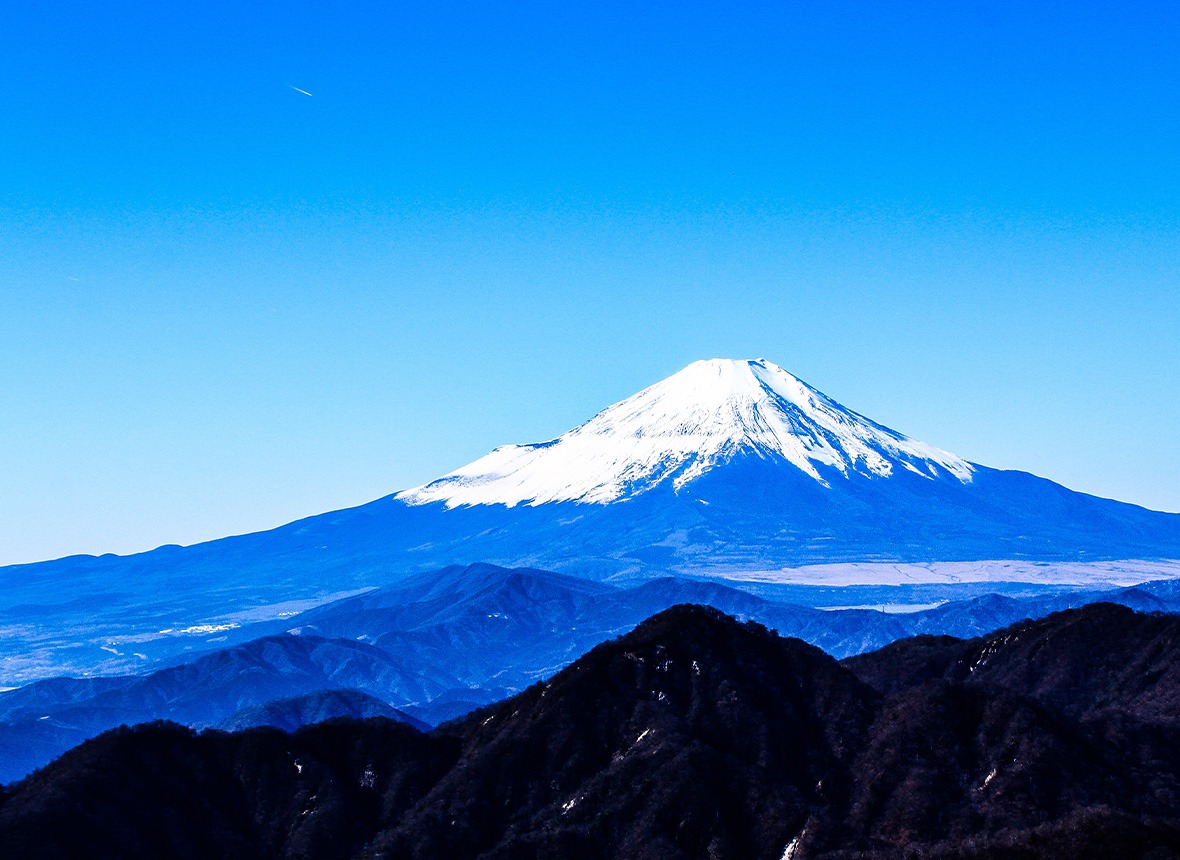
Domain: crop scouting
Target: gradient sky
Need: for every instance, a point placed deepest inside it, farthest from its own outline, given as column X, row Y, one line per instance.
column 225, row 304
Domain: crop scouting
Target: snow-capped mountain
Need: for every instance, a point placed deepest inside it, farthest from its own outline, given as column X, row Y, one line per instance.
column 679, row 429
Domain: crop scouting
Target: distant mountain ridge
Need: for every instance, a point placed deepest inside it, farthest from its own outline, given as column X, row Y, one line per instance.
column 692, row 736
column 298, row 711
column 443, row 643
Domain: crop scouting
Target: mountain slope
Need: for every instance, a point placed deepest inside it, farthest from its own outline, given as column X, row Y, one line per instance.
column 693, row 736
column 443, row 643
column 683, row 427
column 1083, row 662
column 292, row 713
column 49, row 718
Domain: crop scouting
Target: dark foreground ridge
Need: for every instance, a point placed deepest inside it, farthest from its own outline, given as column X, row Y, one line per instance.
column 694, row 736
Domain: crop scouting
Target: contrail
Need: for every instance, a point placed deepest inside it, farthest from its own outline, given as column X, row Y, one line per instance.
column 305, row 92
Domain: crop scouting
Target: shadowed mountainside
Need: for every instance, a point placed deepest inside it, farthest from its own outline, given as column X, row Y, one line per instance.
column 693, row 736
column 47, row 718
column 446, row 642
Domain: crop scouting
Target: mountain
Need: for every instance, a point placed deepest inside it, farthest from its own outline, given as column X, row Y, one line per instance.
column 693, row 736
column 682, row 428
column 45, row 719
column 731, row 465
column 727, row 468
column 443, row 643
column 290, row 714
column 1086, row 663
column 436, row 646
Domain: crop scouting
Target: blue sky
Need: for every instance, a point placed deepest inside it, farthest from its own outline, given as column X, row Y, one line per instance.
column 225, row 304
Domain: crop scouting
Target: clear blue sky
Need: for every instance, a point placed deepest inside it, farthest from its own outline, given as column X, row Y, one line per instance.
column 225, row 304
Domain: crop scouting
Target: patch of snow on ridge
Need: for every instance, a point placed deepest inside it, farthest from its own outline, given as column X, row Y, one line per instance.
column 792, row 849
column 682, row 427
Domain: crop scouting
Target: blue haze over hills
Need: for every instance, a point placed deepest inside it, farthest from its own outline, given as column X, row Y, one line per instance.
column 444, row 642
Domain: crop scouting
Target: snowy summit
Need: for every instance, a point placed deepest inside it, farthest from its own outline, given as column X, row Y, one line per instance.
column 681, row 428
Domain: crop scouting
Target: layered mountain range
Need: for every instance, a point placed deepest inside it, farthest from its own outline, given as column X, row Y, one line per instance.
column 730, row 484
column 727, row 468
column 445, row 642
column 693, row 736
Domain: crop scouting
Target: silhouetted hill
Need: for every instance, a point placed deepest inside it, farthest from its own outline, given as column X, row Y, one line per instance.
column 161, row 790
column 441, row 644
column 49, row 717
column 694, row 736
column 1081, row 661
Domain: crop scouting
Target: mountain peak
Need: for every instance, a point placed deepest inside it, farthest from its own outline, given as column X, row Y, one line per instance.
column 684, row 426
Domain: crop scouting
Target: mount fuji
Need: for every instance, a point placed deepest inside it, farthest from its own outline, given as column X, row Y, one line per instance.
column 727, row 468
column 738, row 465
column 678, row 430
